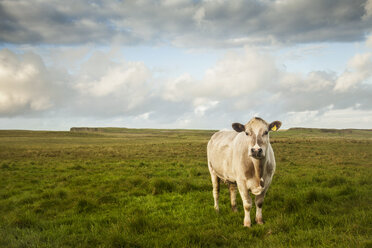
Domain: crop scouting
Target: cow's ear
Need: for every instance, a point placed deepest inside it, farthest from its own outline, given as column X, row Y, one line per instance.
column 238, row 127
column 275, row 125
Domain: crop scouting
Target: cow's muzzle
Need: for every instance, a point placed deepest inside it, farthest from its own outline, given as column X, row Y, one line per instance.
column 257, row 190
column 257, row 153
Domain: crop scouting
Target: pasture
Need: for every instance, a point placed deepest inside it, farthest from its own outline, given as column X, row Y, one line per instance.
column 117, row 187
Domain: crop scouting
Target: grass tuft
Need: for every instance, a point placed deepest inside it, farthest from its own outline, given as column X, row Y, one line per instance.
column 117, row 240
column 25, row 220
column 139, row 224
column 5, row 166
column 336, row 181
column 291, row 205
column 316, row 196
column 85, row 206
column 107, row 199
column 367, row 244
column 77, row 167
column 186, row 187
column 161, row 185
column 62, row 194
column 347, row 191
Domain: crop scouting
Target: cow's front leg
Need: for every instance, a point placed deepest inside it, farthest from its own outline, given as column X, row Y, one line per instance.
column 247, row 203
column 259, row 203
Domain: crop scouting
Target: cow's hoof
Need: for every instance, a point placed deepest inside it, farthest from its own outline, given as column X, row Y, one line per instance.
column 234, row 209
column 259, row 221
column 217, row 209
column 247, row 223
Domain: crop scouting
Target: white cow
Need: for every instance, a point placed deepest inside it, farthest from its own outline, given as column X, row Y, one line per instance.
column 243, row 158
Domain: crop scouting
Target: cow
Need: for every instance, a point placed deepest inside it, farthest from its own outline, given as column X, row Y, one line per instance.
column 244, row 159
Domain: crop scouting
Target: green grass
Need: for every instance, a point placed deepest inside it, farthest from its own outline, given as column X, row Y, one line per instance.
column 151, row 188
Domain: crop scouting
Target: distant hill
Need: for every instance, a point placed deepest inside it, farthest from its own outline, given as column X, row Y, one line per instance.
column 132, row 130
column 324, row 132
column 90, row 129
column 328, row 130
column 103, row 129
column 298, row 129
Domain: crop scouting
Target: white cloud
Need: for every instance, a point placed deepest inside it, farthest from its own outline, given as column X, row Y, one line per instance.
column 234, row 76
column 243, row 83
column 239, row 74
column 179, row 89
column 369, row 40
column 108, row 86
column 301, row 118
column 124, row 78
column 312, row 82
column 199, row 16
column 251, row 81
column 202, row 105
column 359, row 69
column 101, row 86
column 144, row 116
column 368, row 9
column 25, row 84
column 331, row 118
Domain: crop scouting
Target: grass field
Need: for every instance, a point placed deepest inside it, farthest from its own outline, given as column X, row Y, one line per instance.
column 151, row 188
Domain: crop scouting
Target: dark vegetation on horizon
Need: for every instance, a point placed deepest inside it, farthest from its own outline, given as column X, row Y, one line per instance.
column 124, row 129
column 118, row 187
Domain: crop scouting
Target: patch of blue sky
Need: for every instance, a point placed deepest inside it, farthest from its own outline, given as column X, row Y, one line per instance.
column 162, row 60
column 330, row 57
column 173, row 61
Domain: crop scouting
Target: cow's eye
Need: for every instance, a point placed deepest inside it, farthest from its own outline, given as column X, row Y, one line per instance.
column 246, row 133
column 265, row 133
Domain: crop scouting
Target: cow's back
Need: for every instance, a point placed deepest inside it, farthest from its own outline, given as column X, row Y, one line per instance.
column 219, row 151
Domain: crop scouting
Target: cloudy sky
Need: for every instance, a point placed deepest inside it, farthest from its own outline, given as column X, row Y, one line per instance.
column 185, row 63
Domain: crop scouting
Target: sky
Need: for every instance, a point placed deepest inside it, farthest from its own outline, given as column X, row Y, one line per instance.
column 185, row 63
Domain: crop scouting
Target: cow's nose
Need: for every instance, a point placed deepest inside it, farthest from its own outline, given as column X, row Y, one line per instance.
column 258, row 151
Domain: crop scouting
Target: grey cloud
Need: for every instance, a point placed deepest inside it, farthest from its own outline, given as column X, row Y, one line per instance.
column 184, row 23
column 307, row 21
column 288, row 21
column 55, row 22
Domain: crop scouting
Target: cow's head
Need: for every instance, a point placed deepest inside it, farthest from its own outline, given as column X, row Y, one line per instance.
column 257, row 132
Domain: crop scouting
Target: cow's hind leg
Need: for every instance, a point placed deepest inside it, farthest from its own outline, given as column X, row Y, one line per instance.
column 232, row 188
column 259, row 202
column 216, row 190
column 247, row 203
